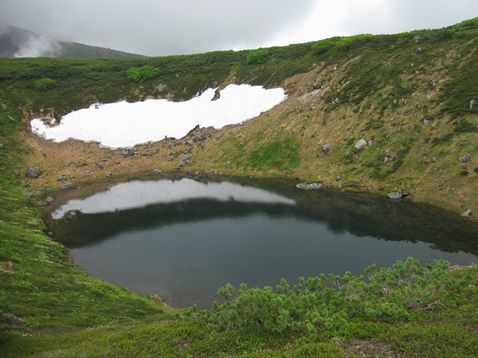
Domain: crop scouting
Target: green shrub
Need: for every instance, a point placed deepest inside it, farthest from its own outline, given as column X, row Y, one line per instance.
column 329, row 302
column 323, row 46
column 45, row 84
column 344, row 43
column 257, row 57
column 140, row 74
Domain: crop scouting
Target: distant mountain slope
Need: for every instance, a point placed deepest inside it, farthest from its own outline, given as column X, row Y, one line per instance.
column 18, row 42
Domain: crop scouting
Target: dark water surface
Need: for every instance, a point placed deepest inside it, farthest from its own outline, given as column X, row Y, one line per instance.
column 184, row 239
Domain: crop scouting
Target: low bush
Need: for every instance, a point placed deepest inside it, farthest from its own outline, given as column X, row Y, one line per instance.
column 45, row 84
column 257, row 57
column 327, row 303
column 140, row 74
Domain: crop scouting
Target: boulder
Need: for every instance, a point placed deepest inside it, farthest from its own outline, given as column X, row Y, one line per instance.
column 183, row 160
column 395, row 195
column 127, row 152
column 311, row 186
column 465, row 158
column 217, row 95
column 33, row 173
column 68, row 186
column 467, row 213
column 361, row 144
column 326, row 148
column 473, row 104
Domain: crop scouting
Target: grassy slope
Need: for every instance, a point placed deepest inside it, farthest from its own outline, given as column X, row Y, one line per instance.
column 66, row 312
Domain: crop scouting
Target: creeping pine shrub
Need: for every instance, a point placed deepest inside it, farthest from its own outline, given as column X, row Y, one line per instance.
column 257, row 57
column 325, row 303
column 140, row 74
column 44, row 84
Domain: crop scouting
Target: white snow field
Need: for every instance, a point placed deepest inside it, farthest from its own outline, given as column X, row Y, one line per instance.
column 123, row 124
column 137, row 194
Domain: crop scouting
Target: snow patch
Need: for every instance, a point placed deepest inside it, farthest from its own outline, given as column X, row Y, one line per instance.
column 123, row 124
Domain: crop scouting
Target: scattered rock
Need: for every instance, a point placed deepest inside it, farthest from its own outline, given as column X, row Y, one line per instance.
column 127, row 152
column 326, row 148
column 33, row 173
column 11, row 320
column 418, row 50
column 68, row 186
column 217, row 95
column 361, row 144
column 467, row 213
column 465, row 158
column 190, row 142
column 473, row 104
column 157, row 171
column 71, row 215
column 160, row 87
column 101, row 164
column 61, row 178
column 311, row 186
column 183, row 160
column 395, row 195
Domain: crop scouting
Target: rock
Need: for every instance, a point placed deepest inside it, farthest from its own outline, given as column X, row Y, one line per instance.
column 312, row 186
column 29, row 195
column 71, row 215
column 109, row 174
column 2, row 145
column 127, row 152
column 101, row 164
column 361, row 144
column 157, row 171
column 49, row 200
column 217, row 95
column 326, row 148
column 395, row 195
column 467, row 213
column 184, row 159
column 68, row 186
column 61, row 178
column 190, row 142
column 473, row 104
column 465, row 158
column 160, row 87
column 339, row 178
column 33, row 173
column 10, row 319
column 418, row 50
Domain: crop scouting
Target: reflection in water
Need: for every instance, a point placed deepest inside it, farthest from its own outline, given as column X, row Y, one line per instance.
column 194, row 237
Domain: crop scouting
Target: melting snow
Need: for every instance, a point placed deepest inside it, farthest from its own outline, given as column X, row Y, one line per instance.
column 124, row 124
column 137, row 194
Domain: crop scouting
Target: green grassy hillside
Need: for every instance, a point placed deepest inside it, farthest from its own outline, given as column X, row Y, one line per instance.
column 408, row 94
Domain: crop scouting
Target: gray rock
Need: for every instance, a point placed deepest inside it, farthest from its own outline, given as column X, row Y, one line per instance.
column 473, row 104
column 467, row 213
column 217, row 95
column 61, row 178
column 361, row 144
column 11, row 320
column 68, row 186
column 395, row 195
column 190, row 142
column 311, row 186
column 326, row 148
column 127, row 152
column 101, row 164
column 465, row 158
column 49, row 200
column 183, row 160
column 418, row 50
column 157, row 171
column 33, row 173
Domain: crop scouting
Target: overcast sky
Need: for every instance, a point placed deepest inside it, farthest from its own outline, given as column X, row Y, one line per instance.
column 163, row 27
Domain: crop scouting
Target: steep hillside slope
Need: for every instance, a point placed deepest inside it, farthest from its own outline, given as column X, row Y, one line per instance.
column 17, row 42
